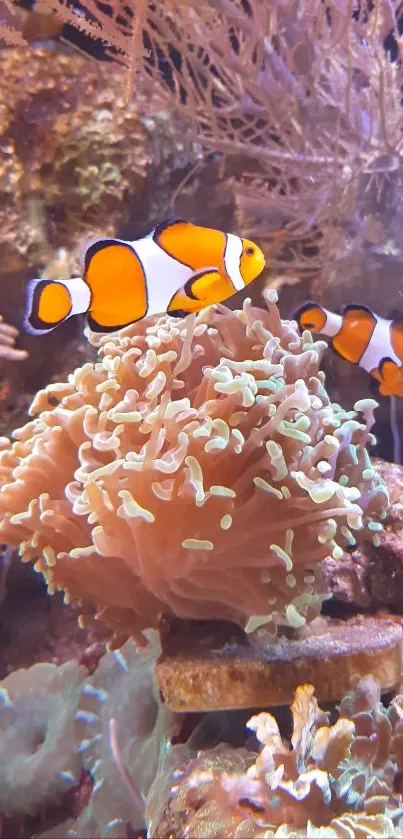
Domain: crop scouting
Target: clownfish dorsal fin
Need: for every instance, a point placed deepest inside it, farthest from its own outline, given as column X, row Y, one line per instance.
column 354, row 307
column 176, row 237
column 168, row 222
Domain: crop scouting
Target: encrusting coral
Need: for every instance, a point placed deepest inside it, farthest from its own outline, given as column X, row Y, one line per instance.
column 198, row 467
column 334, row 781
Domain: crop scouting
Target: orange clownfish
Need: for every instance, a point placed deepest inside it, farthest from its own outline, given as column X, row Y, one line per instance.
column 361, row 337
column 176, row 268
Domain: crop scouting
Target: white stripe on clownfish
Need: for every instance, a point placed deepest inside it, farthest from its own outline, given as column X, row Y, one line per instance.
column 380, row 346
column 232, row 260
column 333, row 324
column 173, row 273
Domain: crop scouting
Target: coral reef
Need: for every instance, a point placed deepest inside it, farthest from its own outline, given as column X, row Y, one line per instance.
column 69, row 160
column 334, row 780
column 302, row 103
column 197, row 466
column 72, row 157
column 79, row 161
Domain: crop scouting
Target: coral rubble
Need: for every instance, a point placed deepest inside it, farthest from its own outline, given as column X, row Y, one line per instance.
column 198, row 466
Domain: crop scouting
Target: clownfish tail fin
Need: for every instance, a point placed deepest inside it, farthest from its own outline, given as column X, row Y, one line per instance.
column 391, row 378
column 50, row 302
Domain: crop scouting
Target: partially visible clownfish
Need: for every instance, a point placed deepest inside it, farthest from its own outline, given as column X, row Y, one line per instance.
column 176, row 268
column 361, row 337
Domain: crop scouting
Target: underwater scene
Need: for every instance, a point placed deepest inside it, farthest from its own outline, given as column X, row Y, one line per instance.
column 201, row 419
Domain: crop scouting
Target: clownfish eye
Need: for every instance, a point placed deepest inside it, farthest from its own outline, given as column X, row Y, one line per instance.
column 250, row 251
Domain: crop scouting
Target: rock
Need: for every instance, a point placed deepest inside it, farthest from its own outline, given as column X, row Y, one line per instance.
column 371, row 577
column 212, row 665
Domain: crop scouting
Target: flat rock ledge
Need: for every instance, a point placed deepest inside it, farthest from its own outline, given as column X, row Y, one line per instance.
column 214, row 665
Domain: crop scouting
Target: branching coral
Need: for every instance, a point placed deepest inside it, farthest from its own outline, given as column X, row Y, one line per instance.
column 197, row 466
column 306, row 95
column 10, row 25
column 334, row 781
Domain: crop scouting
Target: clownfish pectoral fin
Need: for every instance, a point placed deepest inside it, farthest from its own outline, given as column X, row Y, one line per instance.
column 201, row 290
column 391, row 378
column 50, row 302
column 204, row 285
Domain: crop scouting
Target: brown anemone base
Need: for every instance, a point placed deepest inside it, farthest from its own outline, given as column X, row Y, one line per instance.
column 213, row 665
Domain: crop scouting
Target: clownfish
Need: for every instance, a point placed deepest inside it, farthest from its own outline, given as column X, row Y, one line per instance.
column 176, row 268
column 361, row 337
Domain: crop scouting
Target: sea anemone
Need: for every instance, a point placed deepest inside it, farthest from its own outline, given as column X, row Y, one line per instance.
column 198, row 467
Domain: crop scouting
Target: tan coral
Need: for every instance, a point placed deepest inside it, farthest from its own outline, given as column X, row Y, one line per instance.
column 330, row 781
column 198, row 466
